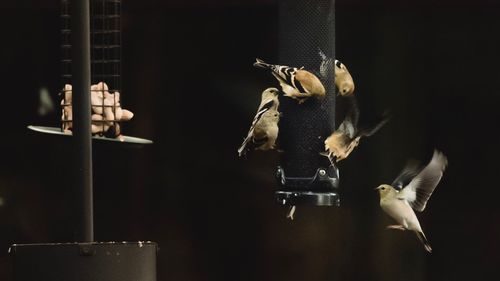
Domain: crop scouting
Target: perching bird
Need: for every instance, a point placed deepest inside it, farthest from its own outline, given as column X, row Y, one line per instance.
column 410, row 191
column 264, row 129
column 296, row 83
column 342, row 141
column 343, row 79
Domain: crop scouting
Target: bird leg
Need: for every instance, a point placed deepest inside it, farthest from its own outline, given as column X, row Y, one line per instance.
column 291, row 212
column 396, row 226
column 331, row 157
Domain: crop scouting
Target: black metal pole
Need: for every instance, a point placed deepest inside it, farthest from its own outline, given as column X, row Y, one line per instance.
column 80, row 53
column 307, row 28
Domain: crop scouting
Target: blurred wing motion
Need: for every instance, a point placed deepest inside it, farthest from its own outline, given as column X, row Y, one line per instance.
column 418, row 185
column 264, row 129
column 407, row 174
column 342, row 142
column 326, row 63
column 46, row 105
column 295, row 83
column 420, row 188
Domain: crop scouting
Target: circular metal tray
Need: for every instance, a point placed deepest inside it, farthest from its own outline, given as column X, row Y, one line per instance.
column 57, row 131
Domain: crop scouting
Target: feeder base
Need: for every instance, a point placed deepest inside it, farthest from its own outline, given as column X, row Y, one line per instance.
column 292, row 198
column 109, row 261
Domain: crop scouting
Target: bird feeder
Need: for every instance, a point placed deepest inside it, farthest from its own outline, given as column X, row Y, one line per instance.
column 307, row 39
column 91, row 53
column 107, row 115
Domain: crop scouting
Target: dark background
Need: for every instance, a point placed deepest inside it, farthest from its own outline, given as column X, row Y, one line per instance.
column 188, row 77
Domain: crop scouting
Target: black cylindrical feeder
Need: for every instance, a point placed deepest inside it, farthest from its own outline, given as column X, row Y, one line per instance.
column 85, row 60
column 306, row 36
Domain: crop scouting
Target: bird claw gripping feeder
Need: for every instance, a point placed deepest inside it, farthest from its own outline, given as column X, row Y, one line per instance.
column 87, row 61
column 307, row 38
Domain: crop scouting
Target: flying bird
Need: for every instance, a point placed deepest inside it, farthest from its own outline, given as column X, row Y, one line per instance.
column 264, row 129
column 410, row 191
column 342, row 141
column 295, row 83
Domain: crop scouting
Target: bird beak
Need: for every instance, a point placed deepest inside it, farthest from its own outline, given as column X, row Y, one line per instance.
column 377, row 188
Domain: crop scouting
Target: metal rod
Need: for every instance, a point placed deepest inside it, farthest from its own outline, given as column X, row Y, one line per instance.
column 80, row 41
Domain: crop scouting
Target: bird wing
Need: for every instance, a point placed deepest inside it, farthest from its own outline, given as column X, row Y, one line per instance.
column 420, row 188
column 326, row 64
column 266, row 105
column 350, row 123
column 409, row 172
column 281, row 80
column 366, row 132
column 354, row 111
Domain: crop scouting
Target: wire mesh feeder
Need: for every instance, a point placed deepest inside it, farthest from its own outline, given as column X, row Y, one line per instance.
column 107, row 113
column 307, row 28
column 105, row 50
column 105, row 40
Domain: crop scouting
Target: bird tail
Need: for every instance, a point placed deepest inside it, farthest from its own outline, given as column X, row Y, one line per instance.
column 423, row 239
column 250, row 143
column 262, row 64
column 243, row 148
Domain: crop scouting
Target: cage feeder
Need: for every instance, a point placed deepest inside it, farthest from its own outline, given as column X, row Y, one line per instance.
column 105, row 64
column 86, row 259
column 306, row 36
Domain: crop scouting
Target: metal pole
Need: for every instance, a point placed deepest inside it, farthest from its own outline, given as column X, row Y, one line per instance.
column 82, row 137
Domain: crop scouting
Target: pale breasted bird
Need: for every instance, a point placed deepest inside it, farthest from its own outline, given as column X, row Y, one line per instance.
column 264, row 129
column 410, row 191
column 296, row 83
column 342, row 141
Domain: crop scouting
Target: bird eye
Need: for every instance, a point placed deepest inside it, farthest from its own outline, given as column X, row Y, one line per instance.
column 338, row 64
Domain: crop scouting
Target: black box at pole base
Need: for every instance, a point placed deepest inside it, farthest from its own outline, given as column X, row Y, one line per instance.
column 108, row 261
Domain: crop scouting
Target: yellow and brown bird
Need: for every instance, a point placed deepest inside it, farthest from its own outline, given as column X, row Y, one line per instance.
column 342, row 141
column 410, row 191
column 264, row 129
column 296, row 83
column 343, row 79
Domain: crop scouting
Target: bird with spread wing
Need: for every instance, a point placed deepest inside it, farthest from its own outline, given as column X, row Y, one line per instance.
column 410, row 192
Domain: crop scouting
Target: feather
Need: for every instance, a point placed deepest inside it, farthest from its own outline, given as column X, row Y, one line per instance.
column 421, row 187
